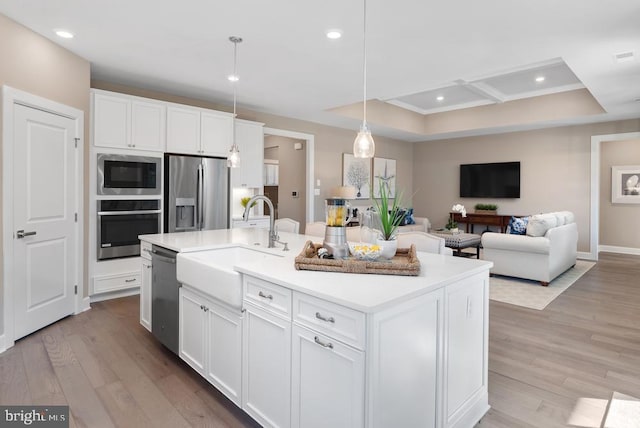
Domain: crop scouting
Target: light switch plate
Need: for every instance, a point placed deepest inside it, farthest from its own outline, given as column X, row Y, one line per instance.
column 316, row 192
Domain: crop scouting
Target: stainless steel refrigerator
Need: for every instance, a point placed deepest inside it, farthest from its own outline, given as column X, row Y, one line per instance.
column 196, row 193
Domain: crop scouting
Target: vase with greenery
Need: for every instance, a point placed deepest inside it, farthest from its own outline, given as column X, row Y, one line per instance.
column 389, row 218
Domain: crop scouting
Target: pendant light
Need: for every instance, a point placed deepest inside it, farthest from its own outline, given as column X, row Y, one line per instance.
column 233, row 160
column 363, row 146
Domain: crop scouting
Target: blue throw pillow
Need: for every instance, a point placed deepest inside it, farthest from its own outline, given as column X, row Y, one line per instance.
column 408, row 218
column 518, row 225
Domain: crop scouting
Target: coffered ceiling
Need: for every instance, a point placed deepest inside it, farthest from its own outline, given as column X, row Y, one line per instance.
column 473, row 54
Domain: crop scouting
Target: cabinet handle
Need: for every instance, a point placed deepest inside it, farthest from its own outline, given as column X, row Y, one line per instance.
column 323, row 318
column 321, row 343
column 130, row 280
column 206, row 309
column 148, row 266
column 202, row 307
column 265, row 296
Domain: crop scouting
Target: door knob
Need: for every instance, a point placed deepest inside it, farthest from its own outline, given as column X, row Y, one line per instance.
column 21, row 234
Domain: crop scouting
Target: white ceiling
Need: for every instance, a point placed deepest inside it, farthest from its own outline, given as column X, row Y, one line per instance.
column 415, row 48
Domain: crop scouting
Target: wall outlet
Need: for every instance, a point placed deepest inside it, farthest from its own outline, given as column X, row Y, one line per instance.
column 316, row 192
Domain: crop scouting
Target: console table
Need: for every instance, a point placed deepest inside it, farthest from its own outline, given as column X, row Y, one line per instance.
column 501, row 221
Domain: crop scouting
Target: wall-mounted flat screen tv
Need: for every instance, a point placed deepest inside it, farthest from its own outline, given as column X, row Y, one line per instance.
column 490, row 180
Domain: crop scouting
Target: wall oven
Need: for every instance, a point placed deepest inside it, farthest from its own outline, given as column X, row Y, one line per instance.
column 121, row 221
column 128, row 175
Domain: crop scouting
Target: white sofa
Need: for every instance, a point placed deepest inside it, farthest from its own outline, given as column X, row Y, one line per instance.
column 548, row 249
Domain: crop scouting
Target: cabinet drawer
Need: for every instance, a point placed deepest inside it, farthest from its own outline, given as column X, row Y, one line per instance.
column 145, row 250
column 338, row 322
column 268, row 295
column 102, row 284
column 259, row 223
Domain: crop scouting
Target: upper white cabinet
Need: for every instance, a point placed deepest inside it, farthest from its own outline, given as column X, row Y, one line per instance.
column 183, row 129
column 250, row 140
column 126, row 122
column 216, row 130
column 197, row 131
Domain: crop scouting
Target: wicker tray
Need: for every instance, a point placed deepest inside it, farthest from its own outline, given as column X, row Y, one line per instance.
column 405, row 262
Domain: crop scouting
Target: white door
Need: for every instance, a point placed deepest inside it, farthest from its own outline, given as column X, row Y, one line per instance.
column 44, row 203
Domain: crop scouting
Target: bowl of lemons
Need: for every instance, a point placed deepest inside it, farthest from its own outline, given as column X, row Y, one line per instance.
column 364, row 251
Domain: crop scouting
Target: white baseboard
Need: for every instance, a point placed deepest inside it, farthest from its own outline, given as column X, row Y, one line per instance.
column 619, row 250
column 114, row 294
column 587, row 256
column 2, row 344
column 84, row 305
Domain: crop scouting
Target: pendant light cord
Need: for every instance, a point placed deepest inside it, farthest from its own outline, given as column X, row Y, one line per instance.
column 364, row 65
column 235, row 91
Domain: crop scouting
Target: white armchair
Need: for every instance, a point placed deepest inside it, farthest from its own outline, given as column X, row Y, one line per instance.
column 287, row 225
column 423, row 242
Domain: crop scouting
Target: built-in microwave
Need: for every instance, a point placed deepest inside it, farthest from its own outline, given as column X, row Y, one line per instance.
column 128, row 175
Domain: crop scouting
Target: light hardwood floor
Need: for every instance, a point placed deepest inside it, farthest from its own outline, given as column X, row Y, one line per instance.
column 550, row 368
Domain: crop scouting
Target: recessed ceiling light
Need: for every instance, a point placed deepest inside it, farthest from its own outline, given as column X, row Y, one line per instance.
column 233, row 78
column 334, row 34
column 64, row 34
column 540, row 79
column 440, row 98
column 624, row 56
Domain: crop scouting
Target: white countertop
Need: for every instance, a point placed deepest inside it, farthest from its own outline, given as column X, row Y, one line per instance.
column 363, row 292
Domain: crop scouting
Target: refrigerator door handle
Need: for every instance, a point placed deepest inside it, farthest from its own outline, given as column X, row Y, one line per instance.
column 203, row 202
column 199, row 195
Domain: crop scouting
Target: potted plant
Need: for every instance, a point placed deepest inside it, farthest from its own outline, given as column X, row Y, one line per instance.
column 389, row 219
column 244, row 201
column 451, row 225
column 486, row 209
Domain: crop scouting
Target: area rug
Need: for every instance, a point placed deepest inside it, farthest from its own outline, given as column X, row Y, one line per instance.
column 530, row 294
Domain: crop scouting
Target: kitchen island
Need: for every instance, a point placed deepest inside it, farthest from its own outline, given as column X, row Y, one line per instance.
column 305, row 348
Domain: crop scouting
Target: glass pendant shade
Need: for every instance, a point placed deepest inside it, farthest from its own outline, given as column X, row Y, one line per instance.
column 233, row 160
column 363, row 146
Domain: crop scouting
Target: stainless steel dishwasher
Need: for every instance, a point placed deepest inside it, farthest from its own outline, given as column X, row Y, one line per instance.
column 164, row 297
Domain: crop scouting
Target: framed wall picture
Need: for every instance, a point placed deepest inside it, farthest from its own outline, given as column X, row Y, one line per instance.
column 384, row 173
column 625, row 184
column 356, row 172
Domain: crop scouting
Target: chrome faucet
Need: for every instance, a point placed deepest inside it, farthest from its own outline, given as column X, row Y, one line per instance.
column 273, row 235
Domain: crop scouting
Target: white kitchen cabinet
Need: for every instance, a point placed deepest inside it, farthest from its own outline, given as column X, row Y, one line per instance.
column 127, row 122
column 327, row 382
column 466, row 356
column 145, row 294
column 148, row 125
column 145, row 284
column 266, row 367
column 404, row 361
column 211, row 342
column 216, row 133
column 111, row 120
column 192, row 325
column 250, row 140
column 191, row 130
column 183, row 129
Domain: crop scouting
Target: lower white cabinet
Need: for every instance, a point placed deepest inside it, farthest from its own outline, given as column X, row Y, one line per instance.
column 327, row 382
column 266, row 367
column 466, row 357
column 211, row 342
column 145, row 294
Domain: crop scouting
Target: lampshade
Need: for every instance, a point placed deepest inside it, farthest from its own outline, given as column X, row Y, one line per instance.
column 344, row 192
column 233, row 160
column 363, row 146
